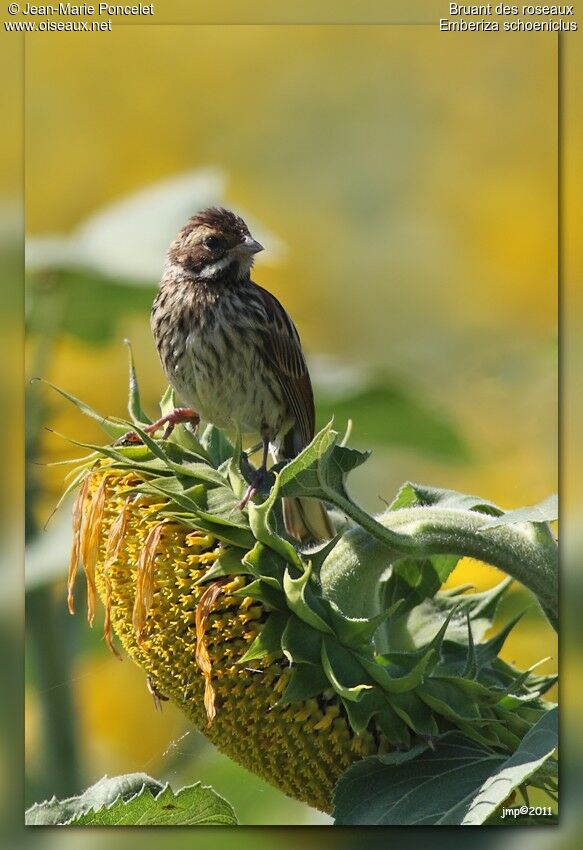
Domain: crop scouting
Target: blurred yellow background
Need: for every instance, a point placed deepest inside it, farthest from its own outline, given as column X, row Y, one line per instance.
column 407, row 184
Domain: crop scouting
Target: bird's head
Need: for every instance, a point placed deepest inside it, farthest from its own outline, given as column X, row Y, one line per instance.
column 214, row 245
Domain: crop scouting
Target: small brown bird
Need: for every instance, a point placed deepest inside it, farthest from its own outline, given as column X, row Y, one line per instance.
column 232, row 353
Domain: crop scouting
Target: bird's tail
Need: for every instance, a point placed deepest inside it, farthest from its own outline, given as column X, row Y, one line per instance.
column 306, row 519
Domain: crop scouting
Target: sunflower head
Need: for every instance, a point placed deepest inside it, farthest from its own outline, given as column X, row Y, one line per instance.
column 252, row 636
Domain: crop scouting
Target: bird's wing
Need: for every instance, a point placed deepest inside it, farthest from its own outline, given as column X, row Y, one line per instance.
column 283, row 349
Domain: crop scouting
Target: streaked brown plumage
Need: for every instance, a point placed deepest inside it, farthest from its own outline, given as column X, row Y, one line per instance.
column 230, row 349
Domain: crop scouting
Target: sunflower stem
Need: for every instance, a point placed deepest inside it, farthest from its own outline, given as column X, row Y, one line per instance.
column 525, row 551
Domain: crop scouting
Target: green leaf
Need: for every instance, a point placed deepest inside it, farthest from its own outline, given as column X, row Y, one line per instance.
column 259, row 521
column 414, row 579
column 306, row 680
column 416, row 627
column 201, row 472
column 218, row 447
column 426, row 787
column 112, row 429
column 320, row 551
column 490, row 649
column 102, row 794
column 301, row 643
column 155, row 446
column 168, row 401
column 229, row 563
column 239, row 537
column 415, row 713
column 356, row 632
column 195, row 805
column 134, row 404
column 264, row 592
column 268, row 641
column 344, row 673
column 371, row 702
column 222, row 506
column 179, row 460
column 264, row 563
column 187, row 499
column 458, row 782
column 545, row 511
column 448, row 699
column 411, row 495
column 124, row 457
column 395, row 680
column 135, row 800
column 303, row 601
column 216, row 507
column 320, row 469
column 393, row 727
column 535, row 749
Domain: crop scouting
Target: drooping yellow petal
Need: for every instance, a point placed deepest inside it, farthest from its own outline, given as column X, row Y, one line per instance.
column 76, row 547
column 116, row 535
column 91, row 541
column 202, row 657
column 145, row 580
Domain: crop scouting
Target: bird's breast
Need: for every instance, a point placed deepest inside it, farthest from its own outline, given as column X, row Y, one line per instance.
column 214, row 357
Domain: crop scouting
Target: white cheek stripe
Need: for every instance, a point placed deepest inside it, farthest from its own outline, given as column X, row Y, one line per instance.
column 216, row 268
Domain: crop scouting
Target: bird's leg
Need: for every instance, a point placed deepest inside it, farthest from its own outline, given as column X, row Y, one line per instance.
column 178, row 415
column 261, row 472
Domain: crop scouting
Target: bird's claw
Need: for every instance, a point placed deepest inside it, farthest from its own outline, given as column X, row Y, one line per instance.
column 179, row 415
column 258, row 480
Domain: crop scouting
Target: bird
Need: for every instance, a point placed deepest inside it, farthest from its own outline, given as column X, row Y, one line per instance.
column 232, row 353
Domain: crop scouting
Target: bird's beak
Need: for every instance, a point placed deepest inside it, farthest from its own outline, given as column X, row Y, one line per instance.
column 248, row 246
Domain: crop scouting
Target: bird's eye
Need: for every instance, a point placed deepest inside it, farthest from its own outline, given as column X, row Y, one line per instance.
column 213, row 242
